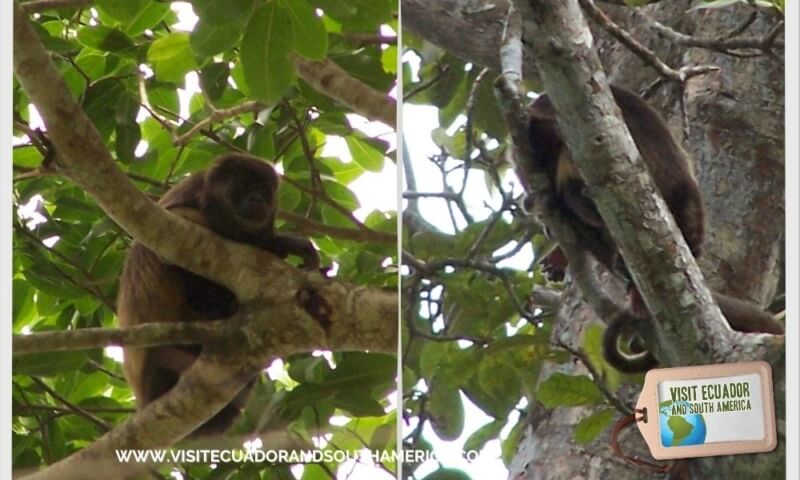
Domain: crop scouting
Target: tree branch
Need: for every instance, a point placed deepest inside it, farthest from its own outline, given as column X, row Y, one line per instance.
column 679, row 76
column 217, row 115
column 146, row 335
column 329, row 78
column 304, row 225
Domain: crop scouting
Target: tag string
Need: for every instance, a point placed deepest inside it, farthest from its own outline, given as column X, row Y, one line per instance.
column 640, row 415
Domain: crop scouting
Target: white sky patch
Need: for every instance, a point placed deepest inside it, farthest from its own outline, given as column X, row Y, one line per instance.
column 114, row 353
column 186, row 17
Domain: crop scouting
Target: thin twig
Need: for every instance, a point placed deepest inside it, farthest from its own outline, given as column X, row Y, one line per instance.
column 216, row 116
column 597, row 379
column 647, row 55
column 75, row 408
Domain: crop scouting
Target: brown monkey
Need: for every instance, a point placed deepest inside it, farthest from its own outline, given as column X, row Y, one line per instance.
column 236, row 199
column 671, row 170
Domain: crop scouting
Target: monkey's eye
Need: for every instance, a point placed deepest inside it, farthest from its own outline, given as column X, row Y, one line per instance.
column 254, row 199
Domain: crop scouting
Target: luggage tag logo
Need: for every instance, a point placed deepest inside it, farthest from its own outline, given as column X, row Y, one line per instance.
column 708, row 410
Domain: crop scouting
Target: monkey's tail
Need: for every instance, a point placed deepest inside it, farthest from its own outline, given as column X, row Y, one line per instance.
column 741, row 315
column 633, row 359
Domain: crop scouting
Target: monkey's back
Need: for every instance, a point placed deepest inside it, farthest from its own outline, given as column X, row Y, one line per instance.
column 154, row 291
column 667, row 162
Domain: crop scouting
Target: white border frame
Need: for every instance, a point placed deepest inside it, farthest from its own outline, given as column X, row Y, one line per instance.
column 792, row 219
column 792, row 127
column 6, row 35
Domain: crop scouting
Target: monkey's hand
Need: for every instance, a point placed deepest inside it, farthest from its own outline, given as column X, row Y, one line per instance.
column 285, row 245
column 554, row 265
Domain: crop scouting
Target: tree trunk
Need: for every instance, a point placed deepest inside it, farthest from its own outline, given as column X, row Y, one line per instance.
column 735, row 134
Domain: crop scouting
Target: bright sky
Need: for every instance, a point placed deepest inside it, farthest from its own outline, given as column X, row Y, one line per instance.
column 418, row 123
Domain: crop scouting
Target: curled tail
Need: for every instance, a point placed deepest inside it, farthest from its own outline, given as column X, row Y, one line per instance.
column 633, row 359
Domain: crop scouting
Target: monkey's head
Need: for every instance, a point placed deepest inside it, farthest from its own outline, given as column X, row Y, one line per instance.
column 239, row 197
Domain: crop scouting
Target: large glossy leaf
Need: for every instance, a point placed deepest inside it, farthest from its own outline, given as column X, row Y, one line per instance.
column 310, row 36
column 265, row 53
column 172, row 57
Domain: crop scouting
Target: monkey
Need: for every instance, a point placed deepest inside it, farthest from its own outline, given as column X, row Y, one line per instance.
column 235, row 198
column 671, row 169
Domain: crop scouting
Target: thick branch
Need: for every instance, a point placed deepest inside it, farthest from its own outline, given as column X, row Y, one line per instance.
column 306, row 226
column 329, row 78
column 469, row 30
column 145, row 335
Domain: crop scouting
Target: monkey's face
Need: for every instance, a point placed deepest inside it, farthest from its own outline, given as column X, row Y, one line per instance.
column 252, row 200
column 240, row 197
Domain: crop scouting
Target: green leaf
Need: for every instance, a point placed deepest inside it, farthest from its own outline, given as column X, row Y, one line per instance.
column 516, row 342
column 214, row 79
column 124, row 11
column 220, row 24
column 163, row 95
column 310, row 36
column 27, row 157
column 389, row 59
column 54, row 42
column 446, row 410
column 365, row 154
column 338, row 9
column 127, row 130
column 260, row 142
column 265, row 53
column 172, row 57
column 593, row 425
column 508, row 447
column 357, row 370
column 500, row 383
column 48, row 363
column 207, row 40
column 593, row 347
column 105, row 39
column 384, row 436
column 340, row 193
column 481, row 436
column 358, row 404
column 455, row 144
column 344, row 172
column 561, row 390
column 22, row 302
column 447, row 474
column 150, row 16
column 487, row 115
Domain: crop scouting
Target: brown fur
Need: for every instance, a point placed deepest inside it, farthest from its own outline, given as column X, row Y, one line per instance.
column 670, row 168
column 235, row 198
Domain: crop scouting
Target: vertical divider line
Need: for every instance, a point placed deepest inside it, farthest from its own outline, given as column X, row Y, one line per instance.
column 400, row 177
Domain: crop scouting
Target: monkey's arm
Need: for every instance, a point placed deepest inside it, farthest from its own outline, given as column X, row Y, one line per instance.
column 746, row 317
column 284, row 245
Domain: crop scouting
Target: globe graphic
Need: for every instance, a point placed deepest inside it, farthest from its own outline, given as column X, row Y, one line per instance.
column 680, row 430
